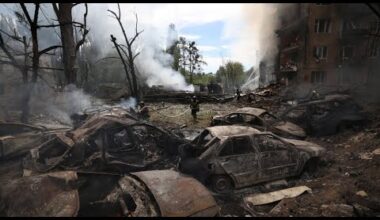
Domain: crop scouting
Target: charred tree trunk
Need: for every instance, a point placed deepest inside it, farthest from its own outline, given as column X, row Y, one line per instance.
column 130, row 56
column 113, row 39
column 65, row 20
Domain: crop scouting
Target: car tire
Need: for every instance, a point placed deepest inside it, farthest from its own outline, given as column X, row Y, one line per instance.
column 221, row 184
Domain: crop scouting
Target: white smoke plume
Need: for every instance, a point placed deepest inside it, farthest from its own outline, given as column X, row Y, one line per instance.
column 129, row 103
column 257, row 42
column 59, row 106
column 153, row 63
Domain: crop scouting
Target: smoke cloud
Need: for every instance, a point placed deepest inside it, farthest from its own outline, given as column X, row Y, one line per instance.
column 153, row 64
column 257, row 42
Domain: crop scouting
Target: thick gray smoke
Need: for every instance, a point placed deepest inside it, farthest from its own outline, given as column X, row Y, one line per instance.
column 59, row 106
column 153, row 64
column 258, row 41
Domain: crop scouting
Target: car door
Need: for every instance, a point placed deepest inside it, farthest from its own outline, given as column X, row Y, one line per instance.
column 239, row 159
column 277, row 158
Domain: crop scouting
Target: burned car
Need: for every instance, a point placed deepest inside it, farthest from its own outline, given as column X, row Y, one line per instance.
column 262, row 120
column 238, row 156
column 112, row 143
column 16, row 139
column 156, row 193
column 326, row 116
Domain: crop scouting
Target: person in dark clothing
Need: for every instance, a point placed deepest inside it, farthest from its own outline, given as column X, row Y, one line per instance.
column 143, row 111
column 237, row 94
column 194, row 105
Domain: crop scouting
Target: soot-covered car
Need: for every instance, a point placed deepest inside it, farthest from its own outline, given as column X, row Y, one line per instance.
column 239, row 156
column 328, row 115
column 260, row 119
column 154, row 193
column 108, row 142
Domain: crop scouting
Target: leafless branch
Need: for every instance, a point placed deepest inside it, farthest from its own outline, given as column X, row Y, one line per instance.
column 105, row 58
column 48, row 49
column 23, row 7
column 85, row 31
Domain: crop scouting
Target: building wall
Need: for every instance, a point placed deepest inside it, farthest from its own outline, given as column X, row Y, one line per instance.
column 338, row 72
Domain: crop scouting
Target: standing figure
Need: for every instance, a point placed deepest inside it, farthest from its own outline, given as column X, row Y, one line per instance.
column 237, row 94
column 194, row 105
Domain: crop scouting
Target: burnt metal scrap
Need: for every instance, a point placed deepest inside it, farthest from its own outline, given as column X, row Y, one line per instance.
column 238, row 156
column 105, row 142
column 16, row 139
column 153, row 193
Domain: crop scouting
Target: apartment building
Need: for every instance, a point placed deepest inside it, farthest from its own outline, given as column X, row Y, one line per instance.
column 330, row 45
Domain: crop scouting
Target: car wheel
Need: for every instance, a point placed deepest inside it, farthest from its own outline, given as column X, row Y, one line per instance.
column 221, row 184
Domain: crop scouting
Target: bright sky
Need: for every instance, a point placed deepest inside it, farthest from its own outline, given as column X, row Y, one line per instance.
column 214, row 27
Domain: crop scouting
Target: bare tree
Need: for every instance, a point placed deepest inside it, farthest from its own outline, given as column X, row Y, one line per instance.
column 70, row 48
column 33, row 26
column 129, row 62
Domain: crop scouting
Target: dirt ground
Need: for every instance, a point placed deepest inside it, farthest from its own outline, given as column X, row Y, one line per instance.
column 347, row 168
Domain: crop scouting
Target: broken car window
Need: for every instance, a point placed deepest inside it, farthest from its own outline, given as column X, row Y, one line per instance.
column 237, row 146
column 269, row 143
column 235, row 118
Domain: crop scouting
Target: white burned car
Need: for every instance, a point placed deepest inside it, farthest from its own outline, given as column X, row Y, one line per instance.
column 239, row 156
column 260, row 119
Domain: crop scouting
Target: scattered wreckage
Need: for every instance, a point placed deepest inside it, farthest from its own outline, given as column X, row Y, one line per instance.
column 326, row 116
column 16, row 139
column 156, row 193
column 238, row 156
column 262, row 120
column 105, row 143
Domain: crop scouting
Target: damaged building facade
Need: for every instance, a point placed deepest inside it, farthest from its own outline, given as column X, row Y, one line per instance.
column 329, row 45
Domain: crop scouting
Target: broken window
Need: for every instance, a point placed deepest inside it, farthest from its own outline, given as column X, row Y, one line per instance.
column 237, row 146
column 322, row 25
column 317, row 77
column 347, row 52
column 235, row 118
column 373, row 48
column 269, row 143
column 320, row 52
column 374, row 27
column 348, row 25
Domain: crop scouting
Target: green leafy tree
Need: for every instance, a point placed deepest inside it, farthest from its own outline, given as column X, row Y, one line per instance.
column 231, row 75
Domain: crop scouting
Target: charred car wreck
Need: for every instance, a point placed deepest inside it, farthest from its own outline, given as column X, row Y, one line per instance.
column 326, row 116
column 262, row 120
column 238, row 156
column 153, row 193
column 105, row 143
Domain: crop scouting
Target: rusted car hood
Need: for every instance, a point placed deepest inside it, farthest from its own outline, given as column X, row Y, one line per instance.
column 178, row 195
column 43, row 195
column 290, row 128
column 312, row 148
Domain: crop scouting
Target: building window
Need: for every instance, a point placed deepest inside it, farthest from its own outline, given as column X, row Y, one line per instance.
column 320, row 52
column 373, row 48
column 347, row 52
column 322, row 25
column 317, row 77
column 322, row 3
column 374, row 27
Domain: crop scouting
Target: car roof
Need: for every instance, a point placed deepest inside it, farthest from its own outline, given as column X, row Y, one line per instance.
column 230, row 130
column 250, row 110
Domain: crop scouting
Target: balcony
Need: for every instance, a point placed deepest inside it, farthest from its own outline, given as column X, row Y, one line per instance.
column 288, row 67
